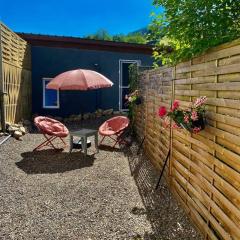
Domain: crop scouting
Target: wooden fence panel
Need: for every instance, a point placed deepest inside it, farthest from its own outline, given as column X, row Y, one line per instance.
column 204, row 169
column 15, row 76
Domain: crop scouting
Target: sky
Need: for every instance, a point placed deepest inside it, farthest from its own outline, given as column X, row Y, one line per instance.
column 75, row 17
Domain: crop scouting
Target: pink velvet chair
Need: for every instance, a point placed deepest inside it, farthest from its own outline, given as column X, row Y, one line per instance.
column 51, row 130
column 114, row 128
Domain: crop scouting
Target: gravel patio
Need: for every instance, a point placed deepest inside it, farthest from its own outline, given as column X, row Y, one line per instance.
column 52, row 195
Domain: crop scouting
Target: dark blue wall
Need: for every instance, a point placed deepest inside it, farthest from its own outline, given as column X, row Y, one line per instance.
column 48, row 62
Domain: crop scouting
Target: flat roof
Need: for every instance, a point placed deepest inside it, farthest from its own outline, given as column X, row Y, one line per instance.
column 84, row 43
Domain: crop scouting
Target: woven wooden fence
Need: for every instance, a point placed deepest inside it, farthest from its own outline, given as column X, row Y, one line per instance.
column 204, row 168
column 15, row 76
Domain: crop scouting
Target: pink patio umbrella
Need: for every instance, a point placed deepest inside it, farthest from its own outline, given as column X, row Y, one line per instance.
column 79, row 79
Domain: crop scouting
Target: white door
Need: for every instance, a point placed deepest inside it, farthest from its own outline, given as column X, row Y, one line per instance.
column 124, row 81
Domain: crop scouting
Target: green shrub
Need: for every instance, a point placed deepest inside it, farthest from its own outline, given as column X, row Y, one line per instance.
column 189, row 27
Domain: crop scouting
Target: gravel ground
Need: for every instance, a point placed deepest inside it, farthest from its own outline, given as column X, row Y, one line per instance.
column 57, row 195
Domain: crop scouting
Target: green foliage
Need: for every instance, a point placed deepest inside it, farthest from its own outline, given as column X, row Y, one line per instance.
column 136, row 37
column 133, row 77
column 133, row 86
column 190, row 27
column 101, row 34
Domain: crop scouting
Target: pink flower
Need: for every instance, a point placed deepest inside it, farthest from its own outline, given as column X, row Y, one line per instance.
column 162, row 112
column 200, row 101
column 194, row 116
column 126, row 97
column 175, row 105
column 166, row 123
column 196, row 130
column 186, row 119
column 175, row 126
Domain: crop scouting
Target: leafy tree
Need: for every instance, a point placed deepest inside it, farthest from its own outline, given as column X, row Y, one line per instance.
column 190, row 27
column 101, row 34
column 136, row 37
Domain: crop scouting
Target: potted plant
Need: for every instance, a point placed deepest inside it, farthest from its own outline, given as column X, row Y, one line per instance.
column 133, row 98
column 192, row 119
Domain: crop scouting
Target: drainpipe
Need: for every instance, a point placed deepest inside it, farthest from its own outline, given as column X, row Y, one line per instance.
column 2, row 111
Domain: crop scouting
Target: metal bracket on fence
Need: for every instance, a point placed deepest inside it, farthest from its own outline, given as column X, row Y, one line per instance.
column 140, row 145
column 164, row 166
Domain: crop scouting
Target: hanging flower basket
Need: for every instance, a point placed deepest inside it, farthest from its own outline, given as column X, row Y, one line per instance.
column 134, row 98
column 193, row 119
column 138, row 100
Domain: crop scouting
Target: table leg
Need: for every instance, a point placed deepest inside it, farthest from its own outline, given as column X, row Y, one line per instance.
column 96, row 142
column 71, row 143
column 84, row 142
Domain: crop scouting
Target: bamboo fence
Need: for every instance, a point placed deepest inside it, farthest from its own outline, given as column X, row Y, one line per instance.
column 204, row 169
column 15, row 76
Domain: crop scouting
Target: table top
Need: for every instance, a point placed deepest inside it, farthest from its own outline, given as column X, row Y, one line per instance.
column 84, row 132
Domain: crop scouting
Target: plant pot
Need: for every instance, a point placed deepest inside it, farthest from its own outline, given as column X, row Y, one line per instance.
column 138, row 101
column 199, row 123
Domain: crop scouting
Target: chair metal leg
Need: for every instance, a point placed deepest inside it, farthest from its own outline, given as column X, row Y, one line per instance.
column 48, row 142
column 116, row 141
column 71, row 143
column 96, row 142
column 45, row 143
column 102, row 140
column 84, row 144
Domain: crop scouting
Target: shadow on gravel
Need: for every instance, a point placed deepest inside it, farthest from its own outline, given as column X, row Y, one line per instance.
column 167, row 218
column 50, row 161
column 109, row 148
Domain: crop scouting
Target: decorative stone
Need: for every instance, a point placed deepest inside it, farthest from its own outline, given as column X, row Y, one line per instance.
column 92, row 116
column 124, row 113
column 86, row 116
column 79, row 116
column 98, row 113
column 65, row 120
column 99, row 110
column 71, row 118
column 22, row 130
column 12, row 129
column 20, row 123
column 17, row 134
column 15, row 125
column 107, row 112
column 116, row 113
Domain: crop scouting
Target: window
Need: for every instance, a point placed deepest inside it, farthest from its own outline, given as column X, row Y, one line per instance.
column 50, row 97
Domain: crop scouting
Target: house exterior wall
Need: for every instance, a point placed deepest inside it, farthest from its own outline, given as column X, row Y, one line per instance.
column 47, row 62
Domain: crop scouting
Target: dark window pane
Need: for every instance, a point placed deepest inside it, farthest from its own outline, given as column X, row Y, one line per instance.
column 125, row 74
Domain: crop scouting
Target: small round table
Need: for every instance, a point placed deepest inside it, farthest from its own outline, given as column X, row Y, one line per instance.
column 84, row 133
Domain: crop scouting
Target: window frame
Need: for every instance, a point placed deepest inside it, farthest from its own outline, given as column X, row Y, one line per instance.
column 120, row 86
column 44, row 95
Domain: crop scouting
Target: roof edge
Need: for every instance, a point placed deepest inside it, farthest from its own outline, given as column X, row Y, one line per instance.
column 83, row 43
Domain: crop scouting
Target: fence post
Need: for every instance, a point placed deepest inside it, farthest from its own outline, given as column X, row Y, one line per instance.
column 146, row 107
column 171, row 130
column 2, row 110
